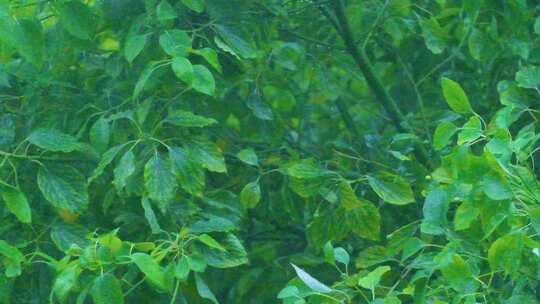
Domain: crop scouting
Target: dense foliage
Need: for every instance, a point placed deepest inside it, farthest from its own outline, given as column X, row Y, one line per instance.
column 264, row 151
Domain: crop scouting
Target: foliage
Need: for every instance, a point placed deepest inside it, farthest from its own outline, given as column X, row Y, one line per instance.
column 241, row 151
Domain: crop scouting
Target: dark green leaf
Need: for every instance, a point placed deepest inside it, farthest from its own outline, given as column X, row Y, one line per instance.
column 64, row 187
column 53, row 140
column 107, row 289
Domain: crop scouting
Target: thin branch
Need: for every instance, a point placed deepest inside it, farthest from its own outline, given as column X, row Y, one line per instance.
column 373, row 82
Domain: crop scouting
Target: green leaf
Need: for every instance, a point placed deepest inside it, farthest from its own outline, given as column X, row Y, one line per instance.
column 259, row 108
column 237, row 45
column 183, row 69
column 203, row 289
column 443, row 133
column 528, row 77
column 64, row 187
column 310, row 281
column 434, row 35
column 203, row 80
column 107, row 289
column 537, row 25
column 248, row 156
column 77, row 19
column 175, row 43
column 189, row 174
column 458, row 274
column 465, row 215
column 145, row 75
column 188, row 119
column 208, row 155
column 251, row 195
column 392, row 189
column 342, row 255
column 124, row 169
column 305, row 169
column 211, row 242
column 150, row 216
column 505, row 253
column 197, row 262
column 134, row 46
column 455, row 96
column 165, row 11
column 210, row 56
column 471, row 131
column 365, row 221
column 100, row 134
column 151, row 269
column 195, row 5
column 17, row 204
column 66, row 282
column 160, row 180
column 15, row 259
column 106, row 159
column 372, row 279
column 181, row 270
column 435, row 209
column 53, row 140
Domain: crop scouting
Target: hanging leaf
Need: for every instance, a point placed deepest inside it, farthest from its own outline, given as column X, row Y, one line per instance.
column 203, row 289
column 203, row 80
column 190, row 175
column 165, row 11
column 210, row 242
column 150, row 216
column 53, row 140
column 238, row 45
column 151, row 269
column 181, row 270
column 107, row 289
column 175, row 43
column 443, row 133
column 106, row 159
column 248, row 156
column 471, row 131
column 210, row 56
column 124, row 169
column 188, row 119
column 310, row 281
column 17, row 204
column 66, row 282
column 100, row 134
column 505, row 253
column 134, row 46
column 528, row 77
column 435, row 211
column 372, row 279
column 251, row 195
column 145, row 75
column 455, row 96
column 160, row 180
column 207, row 155
column 183, row 69
column 14, row 256
column 392, row 189
column 64, row 187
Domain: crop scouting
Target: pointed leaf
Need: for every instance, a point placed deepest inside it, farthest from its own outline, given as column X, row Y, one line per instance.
column 17, row 204
column 455, row 96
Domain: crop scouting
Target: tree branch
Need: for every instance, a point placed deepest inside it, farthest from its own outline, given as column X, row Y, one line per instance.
column 360, row 58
